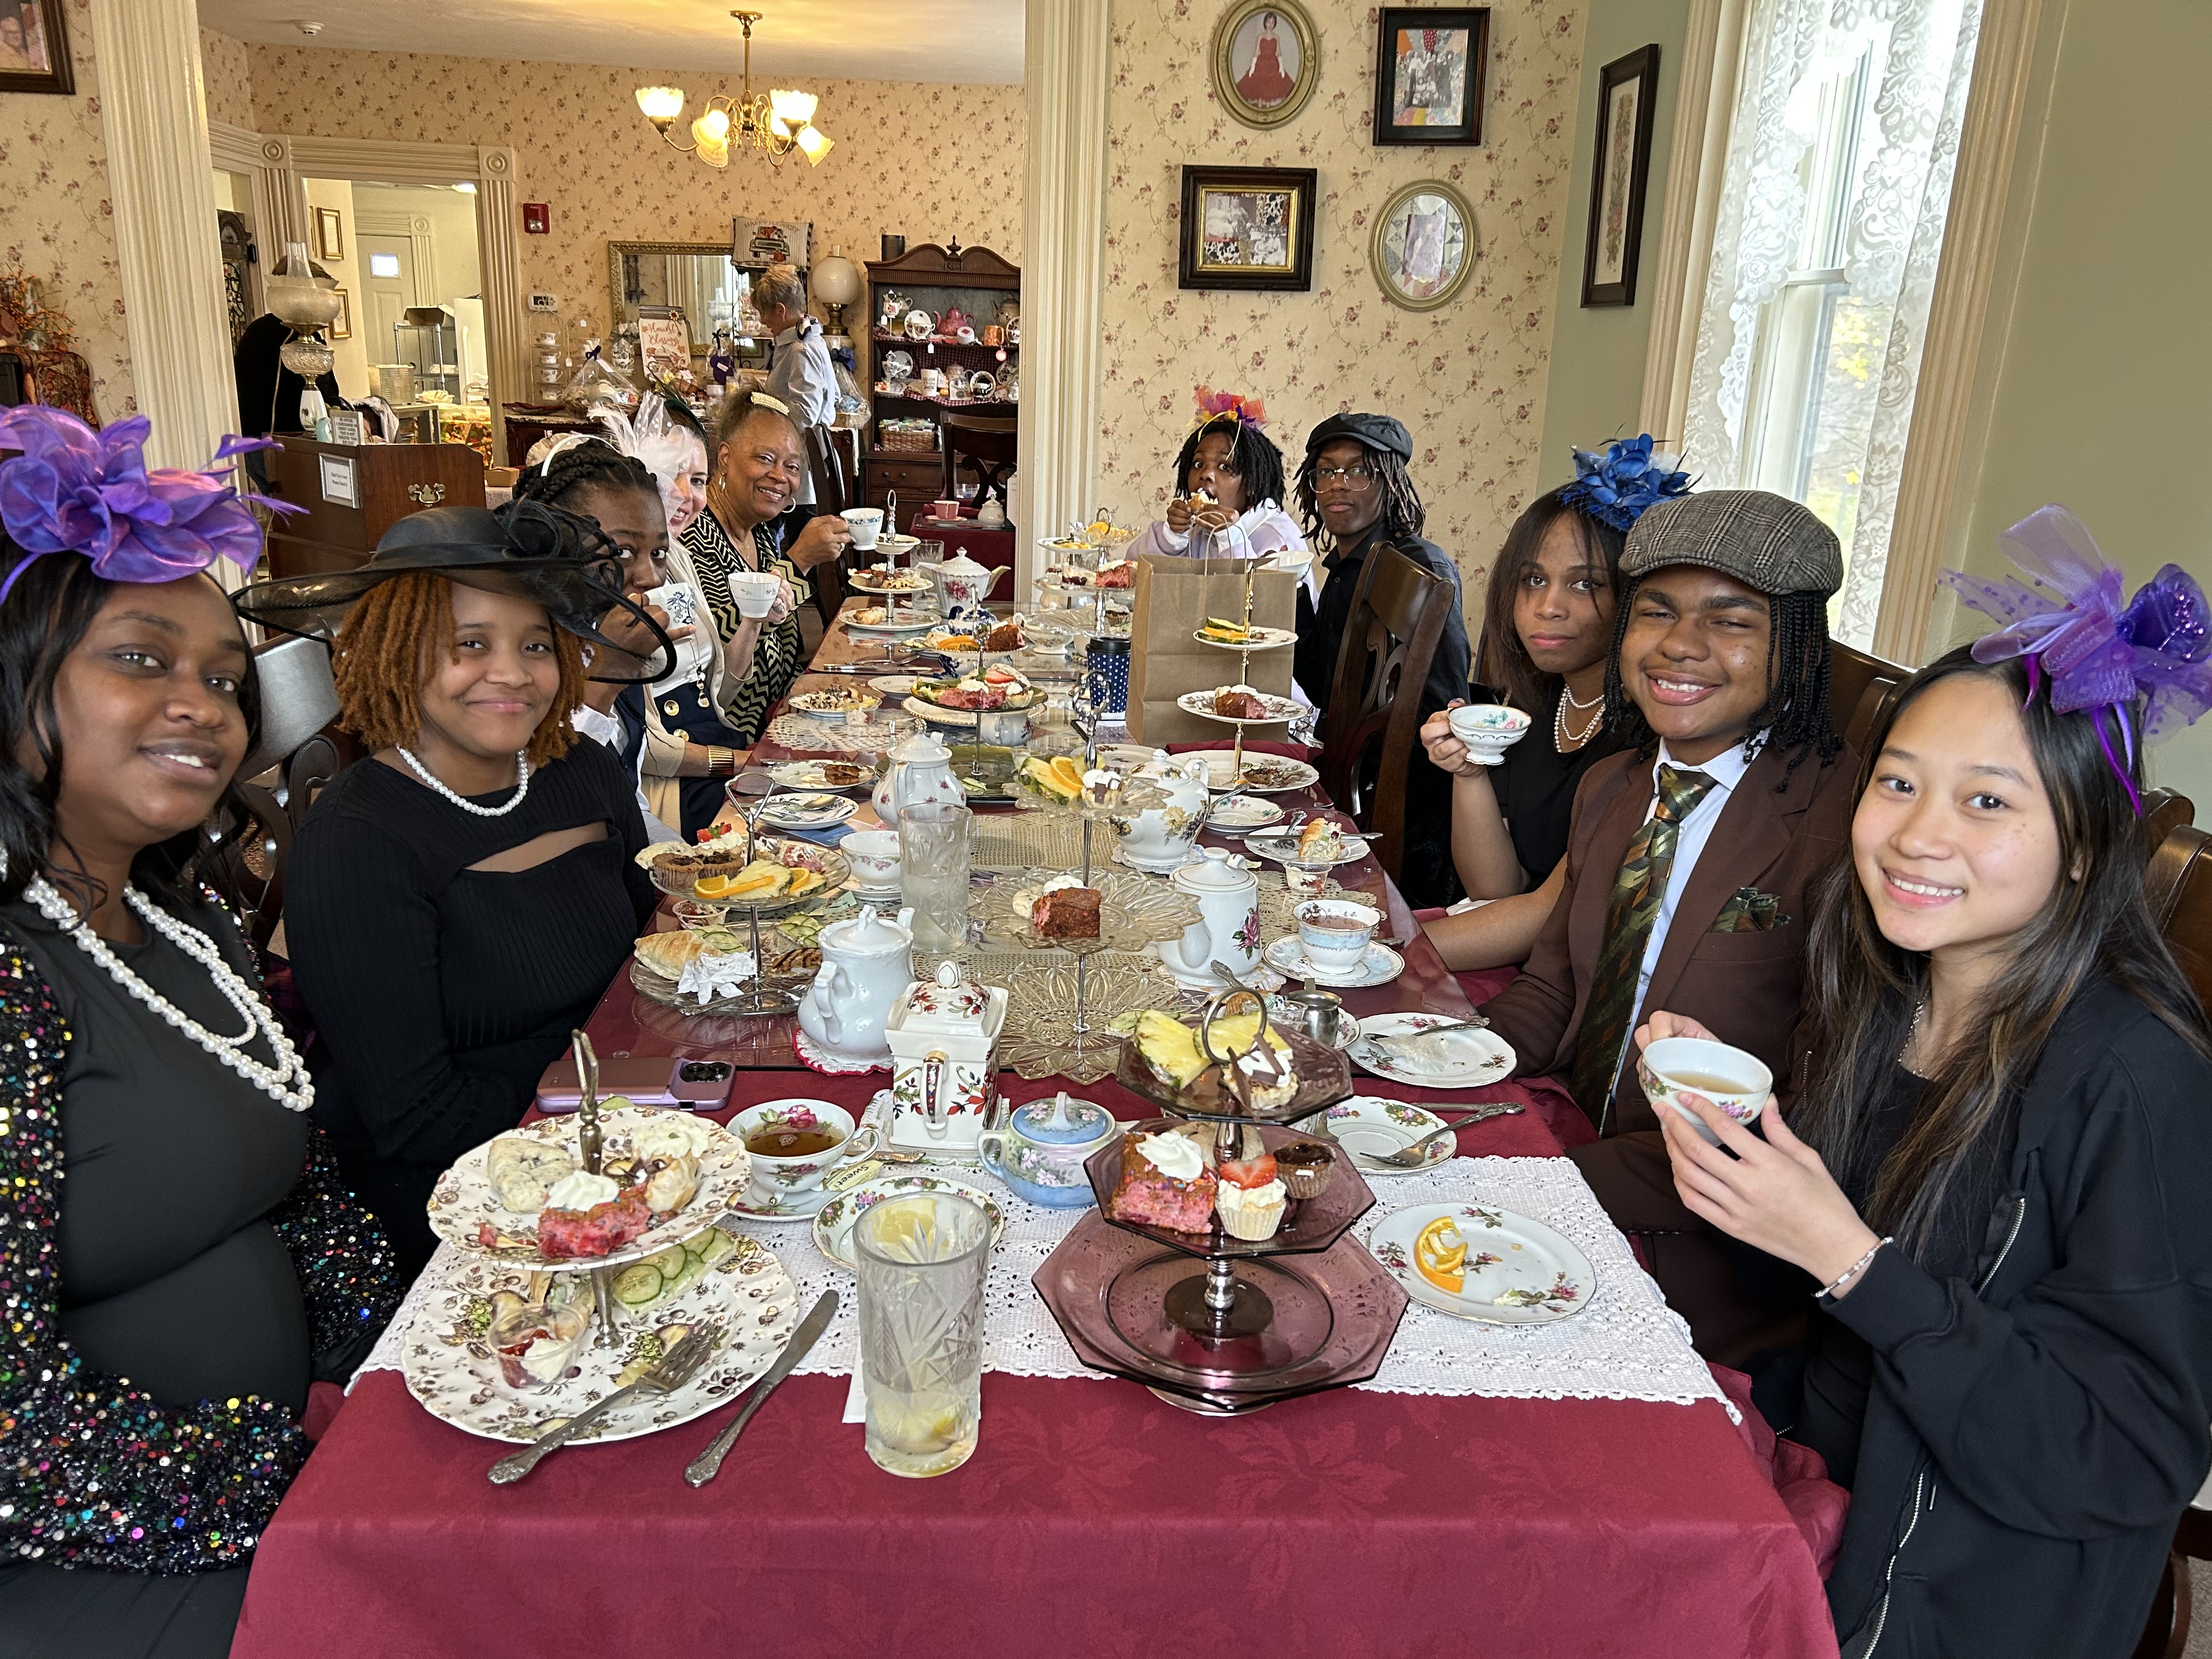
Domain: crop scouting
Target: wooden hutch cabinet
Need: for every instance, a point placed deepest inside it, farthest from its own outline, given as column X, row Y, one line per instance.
column 935, row 279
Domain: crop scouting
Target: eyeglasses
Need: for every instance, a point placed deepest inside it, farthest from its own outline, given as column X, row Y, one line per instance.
column 1358, row 478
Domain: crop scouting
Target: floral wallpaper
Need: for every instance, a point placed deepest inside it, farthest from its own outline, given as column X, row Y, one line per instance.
column 55, row 219
column 1467, row 379
column 927, row 161
column 228, row 77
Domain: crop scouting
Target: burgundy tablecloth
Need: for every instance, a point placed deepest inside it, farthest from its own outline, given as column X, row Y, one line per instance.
column 1093, row 1521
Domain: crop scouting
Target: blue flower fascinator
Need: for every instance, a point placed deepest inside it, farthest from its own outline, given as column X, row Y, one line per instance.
column 2098, row 656
column 1615, row 487
column 73, row 489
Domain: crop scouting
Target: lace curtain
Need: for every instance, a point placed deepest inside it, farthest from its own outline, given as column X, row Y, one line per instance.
column 1901, row 145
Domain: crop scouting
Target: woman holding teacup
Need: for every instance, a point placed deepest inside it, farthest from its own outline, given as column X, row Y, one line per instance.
column 1547, row 631
column 759, row 462
column 1989, row 1180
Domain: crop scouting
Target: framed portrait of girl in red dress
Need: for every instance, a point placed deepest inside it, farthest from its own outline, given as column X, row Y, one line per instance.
column 1266, row 60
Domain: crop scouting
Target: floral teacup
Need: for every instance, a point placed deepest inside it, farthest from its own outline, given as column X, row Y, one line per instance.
column 774, row 1180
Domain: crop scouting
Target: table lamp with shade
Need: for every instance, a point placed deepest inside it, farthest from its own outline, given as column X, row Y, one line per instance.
column 836, row 283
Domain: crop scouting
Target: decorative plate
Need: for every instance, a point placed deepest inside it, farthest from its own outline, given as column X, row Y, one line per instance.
column 456, row 1376
column 835, row 1221
column 876, row 580
column 1379, row 966
column 1371, row 1129
column 1478, row 1057
column 895, row 686
column 835, row 705
column 1245, row 812
column 782, row 1206
column 1278, row 710
column 890, row 627
column 1264, row 775
column 1282, row 847
column 1262, row 638
column 1514, row 1271
column 808, row 811
column 462, row 1205
column 821, row 775
column 816, row 1058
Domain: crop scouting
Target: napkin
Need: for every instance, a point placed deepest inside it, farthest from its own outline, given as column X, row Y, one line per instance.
column 856, row 1396
column 829, row 836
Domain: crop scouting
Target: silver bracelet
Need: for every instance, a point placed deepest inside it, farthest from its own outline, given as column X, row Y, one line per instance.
column 1856, row 1267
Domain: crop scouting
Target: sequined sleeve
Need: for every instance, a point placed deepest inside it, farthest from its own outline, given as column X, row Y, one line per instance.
column 347, row 1276
column 93, row 1474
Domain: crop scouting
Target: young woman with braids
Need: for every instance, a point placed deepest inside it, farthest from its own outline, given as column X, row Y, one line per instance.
column 177, row 1261
column 457, row 902
column 1354, row 493
column 1227, row 498
column 1692, row 858
column 1988, row 1187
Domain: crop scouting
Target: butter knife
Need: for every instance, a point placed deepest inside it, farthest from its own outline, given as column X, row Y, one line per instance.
column 708, row 1463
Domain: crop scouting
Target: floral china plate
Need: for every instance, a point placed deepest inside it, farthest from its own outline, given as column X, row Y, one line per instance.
column 464, row 1211
column 835, row 705
column 1264, row 775
column 821, row 775
column 835, row 1221
column 1245, row 812
column 1471, row 1058
column 808, row 810
column 1272, row 709
column 1372, row 1128
column 1488, row 1265
column 456, row 1376
column 1282, row 846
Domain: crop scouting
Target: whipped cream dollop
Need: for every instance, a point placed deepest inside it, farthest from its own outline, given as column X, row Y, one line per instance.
column 679, row 1137
column 1174, row 1155
column 580, row 1191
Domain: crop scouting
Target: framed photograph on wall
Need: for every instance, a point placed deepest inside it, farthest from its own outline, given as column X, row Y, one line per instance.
column 330, row 234
column 1429, row 80
column 34, row 54
column 1266, row 61
column 1422, row 246
column 1620, row 165
column 1248, row 227
column 342, row 324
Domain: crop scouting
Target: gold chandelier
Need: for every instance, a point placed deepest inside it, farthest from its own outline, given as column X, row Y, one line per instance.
column 775, row 122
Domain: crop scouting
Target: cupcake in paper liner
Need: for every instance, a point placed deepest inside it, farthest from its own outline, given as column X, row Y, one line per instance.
column 1251, row 1213
column 1304, row 1167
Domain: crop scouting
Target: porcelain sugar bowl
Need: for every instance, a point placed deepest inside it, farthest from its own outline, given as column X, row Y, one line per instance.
column 867, row 962
column 943, row 1037
column 1157, row 840
column 1039, row 1153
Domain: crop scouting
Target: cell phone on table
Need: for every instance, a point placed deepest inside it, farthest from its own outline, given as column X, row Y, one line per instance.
column 703, row 1085
column 646, row 1079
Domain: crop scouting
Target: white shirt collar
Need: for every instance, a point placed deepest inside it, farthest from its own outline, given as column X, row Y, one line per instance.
column 1726, row 768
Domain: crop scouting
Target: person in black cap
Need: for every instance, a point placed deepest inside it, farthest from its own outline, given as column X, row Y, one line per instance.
column 1354, row 491
column 456, row 903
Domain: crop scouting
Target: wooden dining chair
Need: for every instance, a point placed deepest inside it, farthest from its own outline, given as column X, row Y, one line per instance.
column 1860, row 688
column 833, row 494
column 1399, row 612
column 987, row 444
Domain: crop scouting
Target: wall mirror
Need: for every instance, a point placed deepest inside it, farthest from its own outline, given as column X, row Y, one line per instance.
column 696, row 278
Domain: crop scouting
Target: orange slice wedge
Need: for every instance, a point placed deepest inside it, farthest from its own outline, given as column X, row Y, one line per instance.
column 1440, row 1255
column 711, row 887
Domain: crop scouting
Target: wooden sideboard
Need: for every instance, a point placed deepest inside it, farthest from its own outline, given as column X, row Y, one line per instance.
column 352, row 495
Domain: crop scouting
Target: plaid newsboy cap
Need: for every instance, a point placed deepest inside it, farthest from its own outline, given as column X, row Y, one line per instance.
column 1765, row 541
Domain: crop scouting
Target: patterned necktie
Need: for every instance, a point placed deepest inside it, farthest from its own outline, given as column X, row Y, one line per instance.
column 1629, row 914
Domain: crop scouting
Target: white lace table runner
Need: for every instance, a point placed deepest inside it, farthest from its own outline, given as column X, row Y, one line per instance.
column 1626, row 1344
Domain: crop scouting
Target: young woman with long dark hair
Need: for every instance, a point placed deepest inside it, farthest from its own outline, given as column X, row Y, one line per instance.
column 169, row 1302
column 1547, row 632
column 1992, row 1175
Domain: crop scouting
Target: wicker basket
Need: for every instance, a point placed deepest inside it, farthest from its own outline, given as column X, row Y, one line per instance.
column 918, row 437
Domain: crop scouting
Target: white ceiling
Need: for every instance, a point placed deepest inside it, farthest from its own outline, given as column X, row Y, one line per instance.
column 959, row 40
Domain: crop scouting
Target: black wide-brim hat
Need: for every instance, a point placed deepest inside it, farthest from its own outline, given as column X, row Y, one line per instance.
column 526, row 549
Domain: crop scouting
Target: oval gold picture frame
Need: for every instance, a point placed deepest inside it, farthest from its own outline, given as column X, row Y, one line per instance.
column 1381, row 258
column 1227, row 75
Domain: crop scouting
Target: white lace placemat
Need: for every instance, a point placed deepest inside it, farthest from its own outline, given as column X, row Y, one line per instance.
column 1626, row 1344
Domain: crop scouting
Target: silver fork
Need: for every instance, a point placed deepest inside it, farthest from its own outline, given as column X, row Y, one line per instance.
column 666, row 1374
column 1413, row 1156
column 1472, row 1023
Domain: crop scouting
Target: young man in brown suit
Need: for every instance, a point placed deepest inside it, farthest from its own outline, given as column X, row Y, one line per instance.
column 1693, row 858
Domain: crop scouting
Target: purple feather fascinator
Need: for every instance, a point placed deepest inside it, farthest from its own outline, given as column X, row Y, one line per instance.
column 73, row 489
column 2099, row 656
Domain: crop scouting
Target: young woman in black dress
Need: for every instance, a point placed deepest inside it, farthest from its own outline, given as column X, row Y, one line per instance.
column 1991, row 1184
column 457, row 902
column 200, row 1247
column 1547, row 628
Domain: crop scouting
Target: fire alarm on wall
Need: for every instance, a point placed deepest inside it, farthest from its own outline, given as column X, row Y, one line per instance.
column 536, row 218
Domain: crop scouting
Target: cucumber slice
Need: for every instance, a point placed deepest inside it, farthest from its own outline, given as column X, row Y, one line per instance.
column 691, row 1269
column 638, row 1283
column 713, row 1245
column 670, row 1261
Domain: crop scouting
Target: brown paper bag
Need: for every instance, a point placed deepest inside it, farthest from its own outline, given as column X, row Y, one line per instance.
column 1174, row 597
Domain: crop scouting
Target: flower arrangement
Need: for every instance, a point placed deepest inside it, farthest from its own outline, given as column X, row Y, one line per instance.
column 24, row 316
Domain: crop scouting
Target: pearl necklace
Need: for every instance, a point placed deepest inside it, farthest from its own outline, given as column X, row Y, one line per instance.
column 1560, row 736
column 521, row 788
column 285, row 1082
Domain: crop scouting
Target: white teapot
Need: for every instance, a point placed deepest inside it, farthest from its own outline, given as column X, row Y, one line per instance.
column 1228, row 927
column 963, row 585
column 944, row 1037
column 921, row 770
column 868, row 963
column 1157, row 840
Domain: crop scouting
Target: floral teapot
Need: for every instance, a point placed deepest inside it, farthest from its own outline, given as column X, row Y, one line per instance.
column 963, row 585
column 921, row 770
column 944, row 1037
column 1228, row 928
column 1157, row 840
column 868, row 963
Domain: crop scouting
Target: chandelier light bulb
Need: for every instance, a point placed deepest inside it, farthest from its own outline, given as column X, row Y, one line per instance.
column 712, row 129
column 814, row 144
column 661, row 105
column 793, row 109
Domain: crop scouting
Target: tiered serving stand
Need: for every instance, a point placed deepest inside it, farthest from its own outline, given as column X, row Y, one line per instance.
column 1201, row 702
column 1213, row 1323
column 761, row 996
